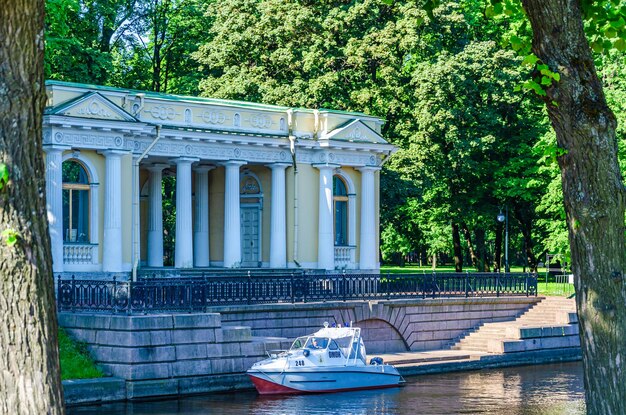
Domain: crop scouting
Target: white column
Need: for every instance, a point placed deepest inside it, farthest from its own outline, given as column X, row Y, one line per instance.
column 54, row 204
column 155, row 216
column 368, row 256
column 325, row 239
column 183, row 250
column 232, row 219
column 112, row 238
column 201, row 217
column 278, row 227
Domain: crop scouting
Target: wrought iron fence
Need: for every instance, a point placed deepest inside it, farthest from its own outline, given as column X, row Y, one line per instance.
column 193, row 294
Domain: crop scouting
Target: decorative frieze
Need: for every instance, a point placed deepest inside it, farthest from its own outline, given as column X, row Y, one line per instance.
column 344, row 158
column 261, row 121
column 91, row 140
column 161, row 112
column 213, row 117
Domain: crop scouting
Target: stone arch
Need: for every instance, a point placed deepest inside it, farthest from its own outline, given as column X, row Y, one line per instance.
column 347, row 180
column 381, row 337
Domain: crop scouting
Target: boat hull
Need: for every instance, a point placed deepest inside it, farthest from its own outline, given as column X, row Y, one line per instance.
column 325, row 381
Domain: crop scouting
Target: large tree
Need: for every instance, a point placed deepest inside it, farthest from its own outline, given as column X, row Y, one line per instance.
column 593, row 193
column 29, row 364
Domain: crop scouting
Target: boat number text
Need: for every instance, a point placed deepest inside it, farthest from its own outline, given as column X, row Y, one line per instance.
column 334, row 354
column 299, row 362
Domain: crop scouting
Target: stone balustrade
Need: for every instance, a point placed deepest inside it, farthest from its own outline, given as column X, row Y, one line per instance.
column 344, row 257
column 77, row 253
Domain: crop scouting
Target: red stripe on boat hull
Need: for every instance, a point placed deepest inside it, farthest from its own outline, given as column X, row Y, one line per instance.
column 265, row 387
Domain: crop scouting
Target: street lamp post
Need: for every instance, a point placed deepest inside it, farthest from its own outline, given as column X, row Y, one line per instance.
column 504, row 217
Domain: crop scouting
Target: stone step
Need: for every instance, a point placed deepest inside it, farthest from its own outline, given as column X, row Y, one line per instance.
column 469, row 348
column 475, row 343
column 513, row 346
column 552, row 318
column 548, row 312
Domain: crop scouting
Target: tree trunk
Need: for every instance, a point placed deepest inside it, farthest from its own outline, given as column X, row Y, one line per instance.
column 481, row 250
column 456, row 243
column 29, row 362
column 468, row 239
column 526, row 227
column 594, row 197
column 531, row 260
column 498, row 247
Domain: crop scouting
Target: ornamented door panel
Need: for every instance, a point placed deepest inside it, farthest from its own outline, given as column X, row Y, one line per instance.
column 250, row 236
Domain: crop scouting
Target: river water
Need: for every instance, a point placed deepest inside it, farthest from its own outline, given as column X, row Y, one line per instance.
column 528, row 390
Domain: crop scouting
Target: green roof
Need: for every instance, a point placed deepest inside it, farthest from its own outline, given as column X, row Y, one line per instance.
column 228, row 102
column 160, row 95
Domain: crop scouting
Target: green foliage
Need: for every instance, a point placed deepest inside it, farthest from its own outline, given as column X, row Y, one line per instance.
column 11, row 236
column 75, row 360
column 4, row 175
column 169, row 219
column 128, row 43
column 443, row 74
column 435, row 74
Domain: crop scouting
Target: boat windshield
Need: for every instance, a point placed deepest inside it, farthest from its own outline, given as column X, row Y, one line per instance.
column 299, row 343
column 357, row 351
column 317, row 342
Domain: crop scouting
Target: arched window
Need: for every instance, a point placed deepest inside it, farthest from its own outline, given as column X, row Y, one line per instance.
column 340, row 202
column 75, row 202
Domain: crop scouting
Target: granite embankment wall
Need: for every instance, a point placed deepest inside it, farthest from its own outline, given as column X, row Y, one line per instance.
column 175, row 354
column 170, row 354
column 387, row 326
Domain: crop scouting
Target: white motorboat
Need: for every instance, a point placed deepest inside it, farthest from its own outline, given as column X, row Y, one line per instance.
column 331, row 360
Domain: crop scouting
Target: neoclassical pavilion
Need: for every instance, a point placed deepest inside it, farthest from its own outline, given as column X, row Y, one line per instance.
column 256, row 185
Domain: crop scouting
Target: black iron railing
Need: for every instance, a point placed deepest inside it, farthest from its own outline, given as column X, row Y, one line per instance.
column 192, row 294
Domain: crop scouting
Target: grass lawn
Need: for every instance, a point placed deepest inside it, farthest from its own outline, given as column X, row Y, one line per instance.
column 555, row 289
column 551, row 288
column 75, row 360
column 416, row 269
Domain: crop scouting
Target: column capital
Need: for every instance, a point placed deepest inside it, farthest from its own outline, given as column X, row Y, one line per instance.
column 234, row 163
column 156, row 167
column 326, row 166
column 51, row 148
column 109, row 153
column 183, row 160
column 368, row 168
column 203, row 168
column 279, row 166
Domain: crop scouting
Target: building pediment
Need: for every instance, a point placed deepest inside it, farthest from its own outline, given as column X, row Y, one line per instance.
column 354, row 131
column 92, row 105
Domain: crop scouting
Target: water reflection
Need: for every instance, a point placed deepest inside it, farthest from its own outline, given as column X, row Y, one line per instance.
column 530, row 390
